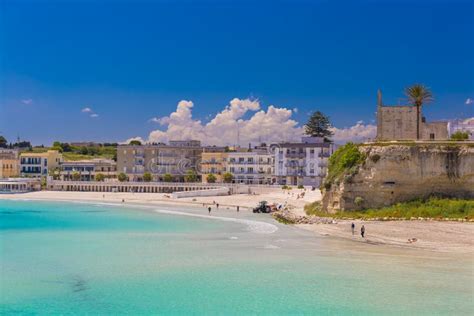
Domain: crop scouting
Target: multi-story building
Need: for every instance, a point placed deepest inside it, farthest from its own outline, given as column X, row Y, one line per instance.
column 460, row 125
column 86, row 170
column 38, row 164
column 252, row 167
column 159, row 159
column 9, row 163
column 213, row 161
column 302, row 163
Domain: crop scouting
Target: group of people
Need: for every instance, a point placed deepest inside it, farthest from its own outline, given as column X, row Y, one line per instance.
column 209, row 208
column 362, row 230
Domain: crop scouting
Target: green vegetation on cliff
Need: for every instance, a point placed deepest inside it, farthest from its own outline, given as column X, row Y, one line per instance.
column 436, row 208
column 344, row 161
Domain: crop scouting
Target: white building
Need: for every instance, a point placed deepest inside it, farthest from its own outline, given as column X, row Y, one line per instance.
column 251, row 167
column 466, row 125
column 302, row 163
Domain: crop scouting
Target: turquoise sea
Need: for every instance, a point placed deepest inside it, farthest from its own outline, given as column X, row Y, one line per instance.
column 73, row 258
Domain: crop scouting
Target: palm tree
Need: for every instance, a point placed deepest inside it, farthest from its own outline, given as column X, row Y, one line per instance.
column 417, row 95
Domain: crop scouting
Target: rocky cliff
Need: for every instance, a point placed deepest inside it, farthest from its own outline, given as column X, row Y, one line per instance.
column 387, row 174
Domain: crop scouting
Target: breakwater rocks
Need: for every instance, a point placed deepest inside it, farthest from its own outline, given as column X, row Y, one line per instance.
column 287, row 217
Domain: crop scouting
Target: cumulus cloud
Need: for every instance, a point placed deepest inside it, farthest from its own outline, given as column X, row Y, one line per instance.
column 241, row 122
column 86, row 110
column 27, row 101
column 469, row 101
column 141, row 140
column 160, row 120
column 357, row 133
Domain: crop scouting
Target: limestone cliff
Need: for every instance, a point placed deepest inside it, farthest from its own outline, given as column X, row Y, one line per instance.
column 388, row 174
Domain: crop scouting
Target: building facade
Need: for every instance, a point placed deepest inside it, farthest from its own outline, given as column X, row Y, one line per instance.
column 303, row 163
column 466, row 125
column 86, row 170
column 400, row 123
column 9, row 163
column 39, row 164
column 251, row 167
column 159, row 159
column 213, row 161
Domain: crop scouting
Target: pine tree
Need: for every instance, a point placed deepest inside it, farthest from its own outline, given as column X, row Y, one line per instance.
column 318, row 126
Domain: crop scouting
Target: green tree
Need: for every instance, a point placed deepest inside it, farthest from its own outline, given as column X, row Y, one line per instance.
column 460, row 135
column 318, row 125
column 3, row 142
column 99, row 177
column 147, row 177
column 191, row 176
column 228, row 177
column 417, row 95
column 168, row 177
column 76, row 176
column 135, row 142
column 55, row 173
column 122, row 177
column 211, row 178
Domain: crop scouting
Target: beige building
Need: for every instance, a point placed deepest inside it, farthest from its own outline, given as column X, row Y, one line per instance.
column 9, row 163
column 399, row 123
column 86, row 170
column 213, row 161
column 39, row 164
column 159, row 159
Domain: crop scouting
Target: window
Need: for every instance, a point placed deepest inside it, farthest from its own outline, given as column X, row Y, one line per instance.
column 250, row 170
column 311, row 151
column 432, row 136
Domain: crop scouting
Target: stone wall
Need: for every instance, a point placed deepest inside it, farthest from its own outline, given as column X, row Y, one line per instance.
column 398, row 173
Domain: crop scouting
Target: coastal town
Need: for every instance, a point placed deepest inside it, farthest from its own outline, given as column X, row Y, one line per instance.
column 300, row 182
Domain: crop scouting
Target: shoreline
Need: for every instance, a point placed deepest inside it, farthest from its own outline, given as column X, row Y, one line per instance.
column 442, row 237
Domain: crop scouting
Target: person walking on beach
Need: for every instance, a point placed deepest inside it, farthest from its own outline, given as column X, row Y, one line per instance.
column 353, row 226
column 217, row 205
column 209, row 209
column 362, row 231
column 237, row 208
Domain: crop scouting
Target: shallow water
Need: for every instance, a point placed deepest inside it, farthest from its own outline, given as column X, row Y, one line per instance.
column 70, row 258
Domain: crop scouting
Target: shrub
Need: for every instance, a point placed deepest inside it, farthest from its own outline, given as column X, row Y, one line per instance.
column 375, row 158
column 122, row 177
column 358, row 201
column 191, row 176
column 228, row 177
column 147, row 177
column 460, row 135
column 345, row 158
column 99, row 177
column 300, row 186
column 168, row 177
column 211, row 178
column 284, row 187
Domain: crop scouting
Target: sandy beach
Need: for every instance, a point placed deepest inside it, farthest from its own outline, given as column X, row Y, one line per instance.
column 450, row 237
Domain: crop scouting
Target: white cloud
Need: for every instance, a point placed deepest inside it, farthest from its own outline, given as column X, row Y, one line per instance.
column 295, row 110
column 27, row 101
column 469, row 101
column 234, row 122
column 141, row 140
column 357, row 133
column 94, row 115
column 86, row 110
column 160, row 120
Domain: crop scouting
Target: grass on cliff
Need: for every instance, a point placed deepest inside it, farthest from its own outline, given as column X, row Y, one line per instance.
column 432, row 208
column 345, row 160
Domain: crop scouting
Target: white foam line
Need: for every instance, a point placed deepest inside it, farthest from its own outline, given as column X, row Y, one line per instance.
column 254, row 226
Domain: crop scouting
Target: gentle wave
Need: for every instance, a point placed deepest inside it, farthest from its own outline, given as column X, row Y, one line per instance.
column 253, row 226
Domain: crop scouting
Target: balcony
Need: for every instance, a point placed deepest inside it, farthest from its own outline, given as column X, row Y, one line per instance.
column 296, row 155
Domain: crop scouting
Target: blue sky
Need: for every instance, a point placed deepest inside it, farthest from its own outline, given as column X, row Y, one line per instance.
column 131, row 61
